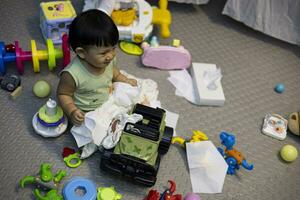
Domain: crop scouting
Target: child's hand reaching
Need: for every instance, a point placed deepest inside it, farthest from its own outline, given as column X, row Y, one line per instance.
column 77, row 117
column 132, row 82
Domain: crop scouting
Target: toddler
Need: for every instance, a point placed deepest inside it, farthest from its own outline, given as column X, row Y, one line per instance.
column 86, row 82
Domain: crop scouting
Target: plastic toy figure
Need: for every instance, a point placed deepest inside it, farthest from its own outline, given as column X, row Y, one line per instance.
column 233, row 157
column 45, row 181
column 196, row 137
column 166, row 195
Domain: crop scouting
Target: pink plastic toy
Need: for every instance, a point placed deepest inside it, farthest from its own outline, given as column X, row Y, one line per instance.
column 192, row 196
column 166, row 57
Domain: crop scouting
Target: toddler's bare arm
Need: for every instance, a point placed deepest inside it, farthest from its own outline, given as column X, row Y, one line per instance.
column 119, row 77
column 65, row 91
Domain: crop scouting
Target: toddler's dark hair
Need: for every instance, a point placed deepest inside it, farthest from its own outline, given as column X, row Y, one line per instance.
column 93, row 27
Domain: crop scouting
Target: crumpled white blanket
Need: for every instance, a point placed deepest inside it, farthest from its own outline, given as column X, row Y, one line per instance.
column 95, row 127
column 116, row 127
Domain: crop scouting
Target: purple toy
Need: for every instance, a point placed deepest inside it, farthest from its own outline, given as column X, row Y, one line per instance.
column 192, row 196
column 166, row 57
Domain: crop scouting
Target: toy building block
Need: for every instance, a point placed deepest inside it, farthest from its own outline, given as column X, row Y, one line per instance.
column 55, row 18
column 207, row 96
column 17, row 92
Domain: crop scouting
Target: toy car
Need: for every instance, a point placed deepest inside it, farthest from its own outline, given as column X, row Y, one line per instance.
column 10, row 82
column 138, row 152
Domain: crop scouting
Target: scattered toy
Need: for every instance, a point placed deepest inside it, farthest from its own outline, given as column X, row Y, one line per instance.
column 192, row 196
column 10, row 82
column 131, row 48
column 165, row 57
column 71, row 158
column 275, row 126
column 196, row 137
column 50, row 120
column 80, row 189
column 45, row 181
column 294, row 123
column 233, row 157
column 141, row 145
column 55, row 18
column 166, row 195
column 16, row 93
column 16, row 54
column 41, row 89
column 108, row 193
column 279, row 88
column 288, row 153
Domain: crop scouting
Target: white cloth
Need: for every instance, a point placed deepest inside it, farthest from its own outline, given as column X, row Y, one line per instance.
column 96, row 123
column 208, row 168
column 183, row 83
column 277, row 18
column 116, row 127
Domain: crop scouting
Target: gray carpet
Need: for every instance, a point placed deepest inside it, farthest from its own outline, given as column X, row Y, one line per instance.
column 252, row 64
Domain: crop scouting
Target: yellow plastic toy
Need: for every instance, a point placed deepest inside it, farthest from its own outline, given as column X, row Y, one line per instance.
column 123, row 17
column 131, row 48
column 50, row 54
column 197, row 136
column 162, row 17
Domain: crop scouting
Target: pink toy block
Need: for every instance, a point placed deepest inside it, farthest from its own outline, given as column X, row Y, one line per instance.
column 166, row 57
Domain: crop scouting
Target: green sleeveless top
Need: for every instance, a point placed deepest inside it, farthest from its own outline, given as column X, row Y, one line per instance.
column 91, row 90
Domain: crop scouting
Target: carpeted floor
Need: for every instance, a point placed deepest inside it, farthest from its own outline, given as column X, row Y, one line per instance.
column 252, row 64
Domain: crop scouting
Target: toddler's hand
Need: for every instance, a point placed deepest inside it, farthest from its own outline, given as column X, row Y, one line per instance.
column 132, row 82
column 77, row 117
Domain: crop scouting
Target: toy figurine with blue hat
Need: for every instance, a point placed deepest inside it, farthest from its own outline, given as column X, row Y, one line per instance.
column 50, row 120
column 233, row 157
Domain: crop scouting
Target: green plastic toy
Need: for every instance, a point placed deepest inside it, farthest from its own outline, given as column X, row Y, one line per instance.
column 108, row 193
column 51, row 195
column 45, row 181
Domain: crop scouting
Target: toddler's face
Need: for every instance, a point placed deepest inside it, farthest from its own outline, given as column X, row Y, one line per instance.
column 100, row 57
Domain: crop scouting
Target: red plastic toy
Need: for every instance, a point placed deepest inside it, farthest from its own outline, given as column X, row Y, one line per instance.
column 166, row 195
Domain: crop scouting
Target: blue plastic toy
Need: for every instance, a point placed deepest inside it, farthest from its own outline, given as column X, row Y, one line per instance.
column 5, row 57
column 80, row 189
column 279, row 88
column 233, row 157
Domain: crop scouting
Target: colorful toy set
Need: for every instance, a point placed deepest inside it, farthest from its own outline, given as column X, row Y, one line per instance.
column 46, row 182
column 138, row 152
column 55, row 18
column 50, row 120
column 233, row 157
column 13, row 53
column 165, row 57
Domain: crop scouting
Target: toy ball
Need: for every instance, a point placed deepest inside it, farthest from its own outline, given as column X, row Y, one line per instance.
column 288, row 153
column 279, row 88
column 41, row 89
column 192, row 196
